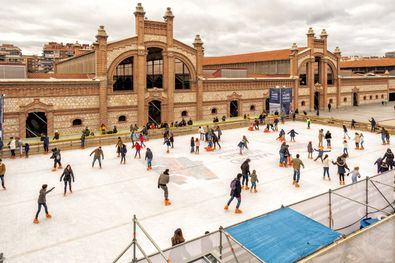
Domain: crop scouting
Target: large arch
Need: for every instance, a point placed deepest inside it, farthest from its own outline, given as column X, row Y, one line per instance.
column 117, row 61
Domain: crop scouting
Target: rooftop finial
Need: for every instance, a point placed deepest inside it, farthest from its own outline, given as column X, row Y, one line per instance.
column 337, row 51
column 168, row 14
column 101, row 32
column 323, row 33
column 294, row 47
column 139, row 9
column 198, row 41
column 310, row 31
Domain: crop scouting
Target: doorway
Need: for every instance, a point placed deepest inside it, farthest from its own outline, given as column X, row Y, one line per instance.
column 316, row 100
column 234, row 108
column 267, row 105
column 391, row 96
column 36, row 124
column 355, row 99
column 154, row 112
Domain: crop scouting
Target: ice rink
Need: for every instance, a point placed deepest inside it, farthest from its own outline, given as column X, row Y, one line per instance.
column 94, row 223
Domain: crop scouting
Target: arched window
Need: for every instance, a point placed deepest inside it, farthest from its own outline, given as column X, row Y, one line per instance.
column 364, row 97
column 77, row 122
column 382, row 96
column 345, row 99
column 184, row 113
column 377, row 96
column 182, row 75
column 214, row 111
column 330, row 101
column 329, row 75
column 370, row 97
column 303, row 103
column 122, row 118
column 123, row 76
column 154, row 68
column 252, row 108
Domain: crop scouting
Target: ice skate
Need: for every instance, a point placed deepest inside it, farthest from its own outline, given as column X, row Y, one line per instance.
column 60, row 167
column 35, row 221
column 53, row 169
column 294, row 182
column 247, row 188
column 255, row 190
column 167, row 202
column 48, row 216
column 297, row 185
column 226, row 207
column 238, row 211
column 242, row 187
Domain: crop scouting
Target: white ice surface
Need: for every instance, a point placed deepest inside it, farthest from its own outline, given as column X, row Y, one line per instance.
column 94, row 223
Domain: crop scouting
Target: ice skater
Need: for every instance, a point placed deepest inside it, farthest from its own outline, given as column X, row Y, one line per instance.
column 192, row 145
column 389, row 158
column 27, row 149
column 98, row 155
column 254, row 180
column 148, row 157
column 42, row 201
column 325, row 163
column 354, row 175
column 310, row 150
column 245, row 142
column 308, row 121
column 12, row 145
column 67, row 175
column 281, row 136
column 373, row 125
column 321, row 152
column 56, row 156
column 296, row 164
column 378, row 164
column 124, row 150
column 197, row 145
column 328, row 138
column 215, row 140
column 320, row 138
column 357, row 139
column 341, row 169
column 345, row 131
column 45, row 140
column 345, row 147
column 201, row 133
column 137, row 147
column 118, row 146
column 245, row 171
column 168, row 144
column 142, row 139
column 383, row 136
column 163, row 180
column 235, row 192
column 171, row 138
column 2, row 173
column 292, row 133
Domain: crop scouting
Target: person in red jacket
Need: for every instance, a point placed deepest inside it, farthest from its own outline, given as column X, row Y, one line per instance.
column 141, row 137
column 138, row 147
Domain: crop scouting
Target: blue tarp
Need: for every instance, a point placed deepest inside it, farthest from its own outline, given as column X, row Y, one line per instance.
column 367, row 222
column 283, row 236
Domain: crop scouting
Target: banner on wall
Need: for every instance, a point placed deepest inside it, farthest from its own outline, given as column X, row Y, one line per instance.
column 1, row 116
column 280, row 100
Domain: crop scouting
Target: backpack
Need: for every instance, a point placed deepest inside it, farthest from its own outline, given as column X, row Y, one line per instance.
column 233, row 184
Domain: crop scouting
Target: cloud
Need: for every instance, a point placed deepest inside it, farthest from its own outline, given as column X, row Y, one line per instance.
column 358, row 27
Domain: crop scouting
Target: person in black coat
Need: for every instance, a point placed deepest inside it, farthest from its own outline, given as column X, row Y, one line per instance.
column 235, row 192
column 67, row 175
column 245, row 171
column 341, row 169
column 328, row 138
column 389, row 159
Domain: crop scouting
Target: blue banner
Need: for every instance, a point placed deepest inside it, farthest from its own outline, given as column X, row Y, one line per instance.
column 286, row 95
column 274, row 96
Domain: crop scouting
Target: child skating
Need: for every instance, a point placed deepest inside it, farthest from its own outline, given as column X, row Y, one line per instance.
column 197, row 145
column 137, row 147
column 292, row 133
column 345, row 147
column 168, row 144
column 123, row 151
column 67, row 176
column 355, row 175
column 254, row 180
column 148, row 157
column 321, row 152
column 310, row 150
column 56, row 159
column 42, row 201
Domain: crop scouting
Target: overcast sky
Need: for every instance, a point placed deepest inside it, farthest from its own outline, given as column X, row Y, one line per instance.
column 358, row 27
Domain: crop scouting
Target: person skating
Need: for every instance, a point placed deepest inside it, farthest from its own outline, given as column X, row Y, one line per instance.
column 123, row 150
column 281, row 136
column 357, row 140
column 328, row 138
column 321, row 152
column 245, row 171
column 389, row 158
column 383, row 135
column 98, row 155
column 178, row 238
column 373, row 125
column 276, row 121
column 138, row 148
column 42, row 201
column 235, row 192
column 353, row 122
column 320, row 138
column 296, row 164
column 354, row 175
column 387, row 137
column 27, row 149
column 281, row 152
column 12, row 145
column 118, row 146
column 345, row 147
column 197, row 145
column 141, row 139
column 201, row 133
column 168, row 144
column 308, row 121
column 148, row 157
column 254, row 180
column 341, row 169
column 245, row 142
column 310, row 150
column 171, row 138
column 82, row 140
column 292, row 133
column 56, row 156
column 383, row 167
column 192, row 145
column 219, row 133
column 378, row 164
column 46, row 143
column 2, row 173
column 19, row 144
column 215, row 140
column 67, row 175
column 345, row 131
column 163, row 180
column 325, row 163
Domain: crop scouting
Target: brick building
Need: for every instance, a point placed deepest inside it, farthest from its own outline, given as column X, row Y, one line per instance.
column 10, row 54
column 154, row 77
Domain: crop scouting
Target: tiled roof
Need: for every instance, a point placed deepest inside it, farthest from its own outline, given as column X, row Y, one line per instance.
column 372, row 62
column 281, row 54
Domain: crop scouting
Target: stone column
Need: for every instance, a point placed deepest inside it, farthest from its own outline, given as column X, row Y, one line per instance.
column 310, row 82
column 170, row 80
column 22, row 125
column 198, row 44
column 324, row 77
column 336, row 76
column 294, row 74
column 101, row 72
column 50, row 122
